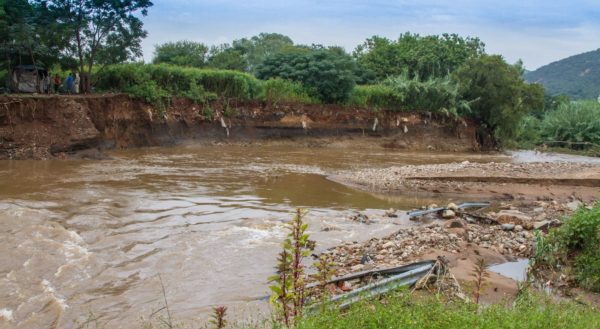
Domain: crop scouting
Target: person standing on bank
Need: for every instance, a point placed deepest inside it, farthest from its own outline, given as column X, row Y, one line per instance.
column 69, row 84
column 76, row 83
column 56, row 83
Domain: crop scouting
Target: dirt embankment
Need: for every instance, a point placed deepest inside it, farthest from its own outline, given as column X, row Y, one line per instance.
column 37, row 127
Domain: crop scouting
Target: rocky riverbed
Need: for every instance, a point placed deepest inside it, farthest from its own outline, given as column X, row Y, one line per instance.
column 500, row 233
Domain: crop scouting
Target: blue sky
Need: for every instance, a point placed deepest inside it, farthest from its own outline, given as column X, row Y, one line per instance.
column 538, row 32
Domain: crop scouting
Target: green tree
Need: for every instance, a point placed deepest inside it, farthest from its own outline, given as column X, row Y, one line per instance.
column 418, row 56
column 499, row 96
column 225, row 57
column 256, row 49
column 20, row 40
column 247, row 53
column 328, row 74
column 182, row 53
column 98, row 31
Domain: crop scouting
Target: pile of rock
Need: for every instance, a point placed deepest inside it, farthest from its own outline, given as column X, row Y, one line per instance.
column 407, row 244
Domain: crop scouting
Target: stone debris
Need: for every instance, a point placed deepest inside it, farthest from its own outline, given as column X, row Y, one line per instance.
column 409, row 243
column 448, row 214
column 361, row 218
column 508, row 232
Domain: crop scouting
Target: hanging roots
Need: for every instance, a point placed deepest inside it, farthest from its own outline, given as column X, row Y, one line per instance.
column 439, row 280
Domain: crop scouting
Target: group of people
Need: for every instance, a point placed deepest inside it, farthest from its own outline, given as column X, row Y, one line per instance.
column 70, row 84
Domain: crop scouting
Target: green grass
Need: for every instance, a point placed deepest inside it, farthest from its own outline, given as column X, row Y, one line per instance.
column 401, row 310
column 573, row 248
column 277, row 90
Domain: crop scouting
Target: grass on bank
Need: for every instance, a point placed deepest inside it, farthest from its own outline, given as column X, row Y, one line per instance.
column 403, row 310
column 573, row 249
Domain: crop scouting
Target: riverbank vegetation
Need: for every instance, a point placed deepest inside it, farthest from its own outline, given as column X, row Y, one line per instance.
column 571, row 253
column 569, row 125
column 404, row 310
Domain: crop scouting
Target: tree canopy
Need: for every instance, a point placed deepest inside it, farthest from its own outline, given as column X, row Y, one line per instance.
column 499, row 96
column 328, row 74
column 182, row 53
column 418, row 56
column 97, row 31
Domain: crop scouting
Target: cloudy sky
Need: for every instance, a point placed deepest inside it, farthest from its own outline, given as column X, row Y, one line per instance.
column 536, row 31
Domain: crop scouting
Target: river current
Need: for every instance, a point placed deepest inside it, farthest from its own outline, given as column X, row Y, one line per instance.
column 82, row 239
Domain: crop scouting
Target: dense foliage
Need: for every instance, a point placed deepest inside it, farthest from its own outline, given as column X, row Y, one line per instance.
column 566, row 125
column 576, row 245
column 182, row 53
column 329, row 75
column 499, row 96
column 96, row 32
column 417, row 56
column 157, row 83
column 577, row 122
column 577, row 76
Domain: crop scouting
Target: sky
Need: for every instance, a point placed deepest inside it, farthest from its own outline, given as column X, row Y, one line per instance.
column 538, row 32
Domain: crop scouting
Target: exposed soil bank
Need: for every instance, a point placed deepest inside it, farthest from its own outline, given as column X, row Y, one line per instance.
column 39, row 127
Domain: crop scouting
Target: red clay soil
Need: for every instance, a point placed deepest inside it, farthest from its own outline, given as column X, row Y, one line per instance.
column 45, row 126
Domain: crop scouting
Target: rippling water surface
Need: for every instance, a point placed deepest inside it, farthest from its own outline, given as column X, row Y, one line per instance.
column 93, row 236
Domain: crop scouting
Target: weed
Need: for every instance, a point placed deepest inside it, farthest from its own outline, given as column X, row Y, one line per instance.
column 218, row 317
column 324, row 273
column 480, row 275
column 289, row 283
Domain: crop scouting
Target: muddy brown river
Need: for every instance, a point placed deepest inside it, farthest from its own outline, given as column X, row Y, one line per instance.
column 83, row 239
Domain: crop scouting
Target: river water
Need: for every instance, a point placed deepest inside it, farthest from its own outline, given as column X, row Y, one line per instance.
column 93, row 239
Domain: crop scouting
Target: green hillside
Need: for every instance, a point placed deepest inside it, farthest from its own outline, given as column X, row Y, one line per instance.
column 577, row 76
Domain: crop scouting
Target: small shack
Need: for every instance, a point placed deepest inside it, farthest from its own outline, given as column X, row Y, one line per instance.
column 28, row 79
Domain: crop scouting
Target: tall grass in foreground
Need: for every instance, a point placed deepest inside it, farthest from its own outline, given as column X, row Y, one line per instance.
column 403, row 310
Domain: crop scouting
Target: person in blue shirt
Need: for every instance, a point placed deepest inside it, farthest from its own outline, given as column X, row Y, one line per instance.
column 69, row 83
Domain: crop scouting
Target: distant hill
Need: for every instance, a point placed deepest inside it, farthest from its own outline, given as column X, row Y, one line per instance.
column 577, row 76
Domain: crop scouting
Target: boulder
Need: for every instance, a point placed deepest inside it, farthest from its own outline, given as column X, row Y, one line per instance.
column 508, row 227
column 454, row 223
column 448, row 214
column 452, row 206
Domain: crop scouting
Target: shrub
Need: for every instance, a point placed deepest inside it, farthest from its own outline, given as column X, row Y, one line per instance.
column 575, row 244
column 280, row 90
column 180, row 81
column 375, row 97
column 329, row 75
column 576, row 123
column 433, row 94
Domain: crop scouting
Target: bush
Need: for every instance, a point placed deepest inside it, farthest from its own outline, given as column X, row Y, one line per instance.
column 575, row 124
column 528, row 135
column 280, row 90
column 433, row 94
column 180, row 81
column 375, row 97
column 575, row 244
column 328, row 75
